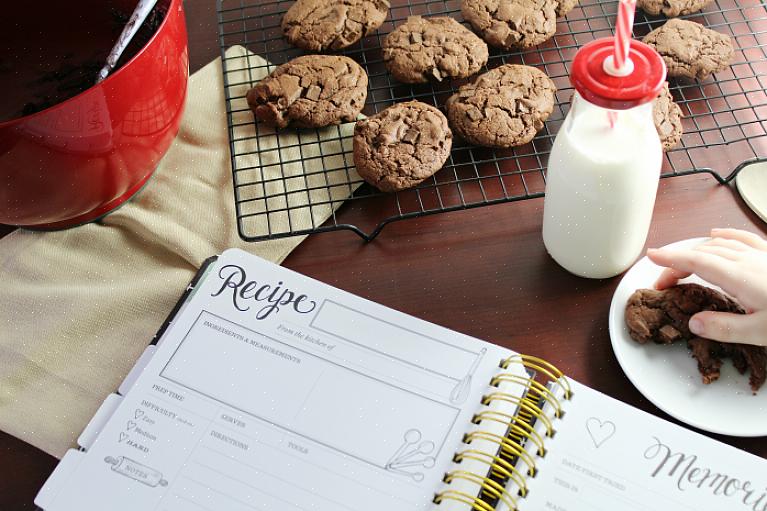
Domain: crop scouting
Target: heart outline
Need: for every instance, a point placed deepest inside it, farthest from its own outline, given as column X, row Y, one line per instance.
column 599, row 435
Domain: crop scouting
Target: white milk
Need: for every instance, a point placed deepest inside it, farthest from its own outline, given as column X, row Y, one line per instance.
column 600, row 189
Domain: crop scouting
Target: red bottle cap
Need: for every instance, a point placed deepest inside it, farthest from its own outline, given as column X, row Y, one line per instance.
column 597, row 86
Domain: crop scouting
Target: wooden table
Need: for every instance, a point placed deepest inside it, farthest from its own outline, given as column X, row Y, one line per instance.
column 483, row 272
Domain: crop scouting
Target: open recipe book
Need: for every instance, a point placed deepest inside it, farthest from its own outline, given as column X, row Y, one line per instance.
column 268, row 390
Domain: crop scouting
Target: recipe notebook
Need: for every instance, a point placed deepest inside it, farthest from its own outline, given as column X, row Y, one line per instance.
column 271, row 391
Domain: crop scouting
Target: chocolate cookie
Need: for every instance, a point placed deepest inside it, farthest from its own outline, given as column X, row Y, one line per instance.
column 662, row 317
column 318, row 25
column 565, row 6
column 433, row 48
column 401, row 146
column 689, row 49
column 310, row 92
column 672, row 8
column 504, row 107
column 512, row 23
column 668, row 119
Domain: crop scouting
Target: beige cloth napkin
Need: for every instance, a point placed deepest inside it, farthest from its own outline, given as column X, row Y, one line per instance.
column 78, row 307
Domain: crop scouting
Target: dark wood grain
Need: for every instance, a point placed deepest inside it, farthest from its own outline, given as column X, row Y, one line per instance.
column 486, row 273
column 482, row 272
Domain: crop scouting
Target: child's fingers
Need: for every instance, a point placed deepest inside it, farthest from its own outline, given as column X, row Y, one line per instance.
column 709, row 267
column 669, row 277
column 724, row 252
column 749, row 238
column 736, row 245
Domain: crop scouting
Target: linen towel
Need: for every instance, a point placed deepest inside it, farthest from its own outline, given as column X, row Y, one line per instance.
column 78, row 307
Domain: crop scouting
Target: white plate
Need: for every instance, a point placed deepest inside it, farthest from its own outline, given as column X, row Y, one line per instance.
column 752, row 185
column 668, row 375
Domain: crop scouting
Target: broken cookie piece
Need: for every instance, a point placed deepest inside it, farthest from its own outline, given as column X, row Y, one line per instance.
column 310, row 92
column 662, row 317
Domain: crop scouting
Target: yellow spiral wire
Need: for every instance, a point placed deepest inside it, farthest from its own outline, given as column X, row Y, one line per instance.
column 532, row 386
column 517, row 426
column 498, row 466
column 488, row 486
column 519, row 431
column 527, row 408
column 506, row 444
column 476, row 503
column 538, row 364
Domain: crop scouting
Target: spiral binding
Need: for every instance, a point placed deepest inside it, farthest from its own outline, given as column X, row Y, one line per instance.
column 499, row 467
column 488, row 486
column 518, row 427
column 527, row 408
column 542, row 366
column 520, row 432
column 475, row 502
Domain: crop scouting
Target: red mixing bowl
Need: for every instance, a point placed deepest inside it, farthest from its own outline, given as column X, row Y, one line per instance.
column 80, row 159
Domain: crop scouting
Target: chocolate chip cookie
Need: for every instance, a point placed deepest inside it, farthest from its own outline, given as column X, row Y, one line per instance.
column 691, row 50
column 668, row 119
column 433, row 48
column 662, row 317
column 504, row 107
column 672, row 8
column 319, row 25
column 310, row 92
column 510, row 24
column 401, row 146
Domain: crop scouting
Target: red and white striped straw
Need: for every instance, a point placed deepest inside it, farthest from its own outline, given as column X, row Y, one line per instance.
column 623, row 28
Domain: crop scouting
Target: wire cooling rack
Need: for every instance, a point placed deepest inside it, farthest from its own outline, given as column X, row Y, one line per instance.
column 725, row 120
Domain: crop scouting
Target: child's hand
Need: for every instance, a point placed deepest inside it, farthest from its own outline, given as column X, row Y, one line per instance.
column 734, row 260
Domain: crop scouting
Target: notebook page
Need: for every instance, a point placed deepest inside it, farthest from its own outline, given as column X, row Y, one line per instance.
column 295, row 396
column 607, row 455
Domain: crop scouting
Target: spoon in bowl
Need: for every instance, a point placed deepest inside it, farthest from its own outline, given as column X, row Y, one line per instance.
column 140, row 13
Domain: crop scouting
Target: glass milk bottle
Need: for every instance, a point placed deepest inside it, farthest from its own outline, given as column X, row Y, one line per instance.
column 605, row 162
